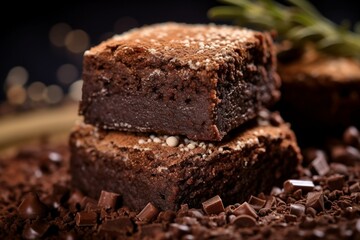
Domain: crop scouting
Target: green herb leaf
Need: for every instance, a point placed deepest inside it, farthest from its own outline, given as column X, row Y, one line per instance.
column 300, row 22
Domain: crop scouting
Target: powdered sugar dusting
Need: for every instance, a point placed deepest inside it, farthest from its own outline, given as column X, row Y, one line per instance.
column 198, row 46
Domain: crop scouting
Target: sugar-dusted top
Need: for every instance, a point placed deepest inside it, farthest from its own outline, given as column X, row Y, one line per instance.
column 194, row 44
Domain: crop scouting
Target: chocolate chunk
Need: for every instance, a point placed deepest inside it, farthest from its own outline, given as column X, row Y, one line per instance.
column 36, row 230
column 213, row 205
column 31, row 207
column 270, row 202
column 108, row 200
column 297, row 209
column 293, row 185
column 256, row 203
column 121, row 226
column 290, row 218
column 339, row 168
column 347, row 155
column 147, row 213
column 83, row 219
column 355, row 187
column 315, row 200
column 335, row 182
column 243, row 221
column 351, row 136
column 320, row 165
column 245, row 209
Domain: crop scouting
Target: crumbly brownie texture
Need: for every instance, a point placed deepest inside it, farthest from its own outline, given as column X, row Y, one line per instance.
column 320, row 93
column 200, row 81
column 330, row 210
column 145, row 169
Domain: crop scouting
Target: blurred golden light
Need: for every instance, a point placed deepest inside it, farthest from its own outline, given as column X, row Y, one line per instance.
column 17, row 76
column 53, row 94
column 36, row 91
column 67, row 73
column 16, row 95
column 58, row 33
column 75, row 90
column 77, row 41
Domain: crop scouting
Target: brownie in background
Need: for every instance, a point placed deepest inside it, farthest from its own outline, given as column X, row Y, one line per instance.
column 320, row 95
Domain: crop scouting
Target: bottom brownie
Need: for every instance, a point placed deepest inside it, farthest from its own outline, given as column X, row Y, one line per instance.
column 170, row 171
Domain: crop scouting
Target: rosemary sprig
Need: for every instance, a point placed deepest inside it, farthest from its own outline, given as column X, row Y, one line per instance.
column 299, row 23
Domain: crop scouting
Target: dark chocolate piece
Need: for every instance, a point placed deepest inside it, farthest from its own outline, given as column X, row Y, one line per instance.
column 84, row 219
column 256, row 203
column 200, row 81
column 244, row 221
column 355, row 187
column 245, row 209
column 335, row 182
column 148, row 213
column 31, row 207
column 320, row 164
column 144, row 170
column 213, row 205
column 293, row 184
column 351, row 136
column 108, row 199
column 297, row 209
column 315, row 200
column 36, row 230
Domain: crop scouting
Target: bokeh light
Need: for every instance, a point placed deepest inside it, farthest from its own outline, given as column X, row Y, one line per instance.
column 75, row 90
column 77, row 41
column 58, row 33
column 67, row 73
column 17, row 76
column 36, row 91
column 53, row 94
column 16, row 95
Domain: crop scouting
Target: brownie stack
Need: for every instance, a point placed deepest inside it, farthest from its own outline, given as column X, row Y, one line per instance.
column 174, row 113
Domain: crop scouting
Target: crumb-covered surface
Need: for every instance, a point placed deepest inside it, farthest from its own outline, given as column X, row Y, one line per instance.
column 148, row 169
column 185, row 75
column 325, row 204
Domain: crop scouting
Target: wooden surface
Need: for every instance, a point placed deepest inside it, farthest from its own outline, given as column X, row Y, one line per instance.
column 53, row 123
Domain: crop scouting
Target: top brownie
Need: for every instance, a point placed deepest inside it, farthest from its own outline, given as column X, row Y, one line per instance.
column 200, row 81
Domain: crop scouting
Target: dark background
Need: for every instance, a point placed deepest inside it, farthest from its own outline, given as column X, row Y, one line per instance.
column 25, row 40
